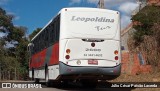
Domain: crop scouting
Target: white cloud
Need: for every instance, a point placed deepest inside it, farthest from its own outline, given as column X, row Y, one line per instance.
column 2, row 2
column 15, row 17
column 10, row 44
column 127, row 7
column 74, row 2
column 125, row 20
column 2, row 34
column 110, row 3
column 93, row 1
column 124, row 6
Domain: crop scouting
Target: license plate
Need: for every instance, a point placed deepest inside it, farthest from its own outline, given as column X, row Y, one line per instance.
column 93, row 62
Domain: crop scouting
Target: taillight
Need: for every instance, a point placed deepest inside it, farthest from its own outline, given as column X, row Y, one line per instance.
column 67, row 57
column 68, row 51
column 116, row 52
column 116, row 57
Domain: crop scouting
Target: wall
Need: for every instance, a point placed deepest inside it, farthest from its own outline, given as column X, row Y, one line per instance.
column 155, row 2
column 132, row 65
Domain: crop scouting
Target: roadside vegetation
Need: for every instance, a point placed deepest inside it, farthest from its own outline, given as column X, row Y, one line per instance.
column 13, row 49
column 146, row 38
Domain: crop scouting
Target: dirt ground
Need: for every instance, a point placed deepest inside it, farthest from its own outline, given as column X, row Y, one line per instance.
column 149, row 77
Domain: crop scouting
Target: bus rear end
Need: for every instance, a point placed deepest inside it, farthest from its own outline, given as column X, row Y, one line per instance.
column 90, row 44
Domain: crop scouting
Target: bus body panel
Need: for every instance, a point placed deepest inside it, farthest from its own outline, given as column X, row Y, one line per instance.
column 105, row 72
column 80, row 29
column 49, row 57
column 82, row 51
column 53, row 72
column 95, row 23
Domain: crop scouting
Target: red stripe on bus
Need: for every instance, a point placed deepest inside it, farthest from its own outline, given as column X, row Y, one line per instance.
column 38, row 59
column 42, row 57
column 55, row 55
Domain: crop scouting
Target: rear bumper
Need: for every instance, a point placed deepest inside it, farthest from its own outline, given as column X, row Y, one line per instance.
column 104, row 72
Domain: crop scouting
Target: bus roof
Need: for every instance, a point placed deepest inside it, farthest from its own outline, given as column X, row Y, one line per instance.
column 87, row 9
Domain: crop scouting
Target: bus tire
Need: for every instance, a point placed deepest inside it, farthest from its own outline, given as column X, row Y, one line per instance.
column 32, row 75
column 47, row 81
column 36, row 80
column 89, row 83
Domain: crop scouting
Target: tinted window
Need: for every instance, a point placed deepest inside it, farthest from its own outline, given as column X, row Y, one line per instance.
column 48, row 36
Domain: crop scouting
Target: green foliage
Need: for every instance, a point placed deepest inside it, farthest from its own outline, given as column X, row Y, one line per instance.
column 17, row 56
column 5, row 21
column 34, row 33
column 147, row 17
column 21, row 53
column 147, row 35
column 16, row 34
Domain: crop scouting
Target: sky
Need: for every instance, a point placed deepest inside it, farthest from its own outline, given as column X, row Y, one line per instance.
column 37, row 13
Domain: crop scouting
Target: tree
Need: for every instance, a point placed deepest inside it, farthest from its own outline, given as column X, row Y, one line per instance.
column 13, row 59
column 147, row 17
column 34, row 33
column 6, row 24
column 146, row 37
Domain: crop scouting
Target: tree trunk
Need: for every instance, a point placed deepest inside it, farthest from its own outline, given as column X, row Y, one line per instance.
column 15, row 73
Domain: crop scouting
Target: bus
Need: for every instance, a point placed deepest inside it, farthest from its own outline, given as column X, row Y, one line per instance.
column 78, row 44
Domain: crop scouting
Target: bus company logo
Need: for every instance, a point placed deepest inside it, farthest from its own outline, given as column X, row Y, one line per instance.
column 96, row 19
column 6, row 85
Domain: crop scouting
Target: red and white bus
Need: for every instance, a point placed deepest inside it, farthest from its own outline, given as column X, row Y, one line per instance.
column 78, row 44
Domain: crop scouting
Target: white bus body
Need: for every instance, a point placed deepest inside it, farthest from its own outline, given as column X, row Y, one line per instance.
column 89, row 46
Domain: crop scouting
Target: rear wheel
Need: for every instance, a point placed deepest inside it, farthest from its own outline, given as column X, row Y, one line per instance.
column 47, row 81
column 64, row 83
column 32, row 74
column 89, row 83
column 36, row 80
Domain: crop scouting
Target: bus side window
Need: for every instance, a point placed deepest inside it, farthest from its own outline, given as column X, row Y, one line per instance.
column 36, row 46
column 33, row 48
column 43, row 42
column 57, row 29
column 45, row 38
column 52, row 33
column 49, row 35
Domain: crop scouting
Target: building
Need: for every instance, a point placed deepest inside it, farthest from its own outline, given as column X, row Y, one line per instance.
column 154, row 2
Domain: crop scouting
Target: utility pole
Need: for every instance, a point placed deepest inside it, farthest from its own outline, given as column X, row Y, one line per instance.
column 15, row 72
column 101, row 4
